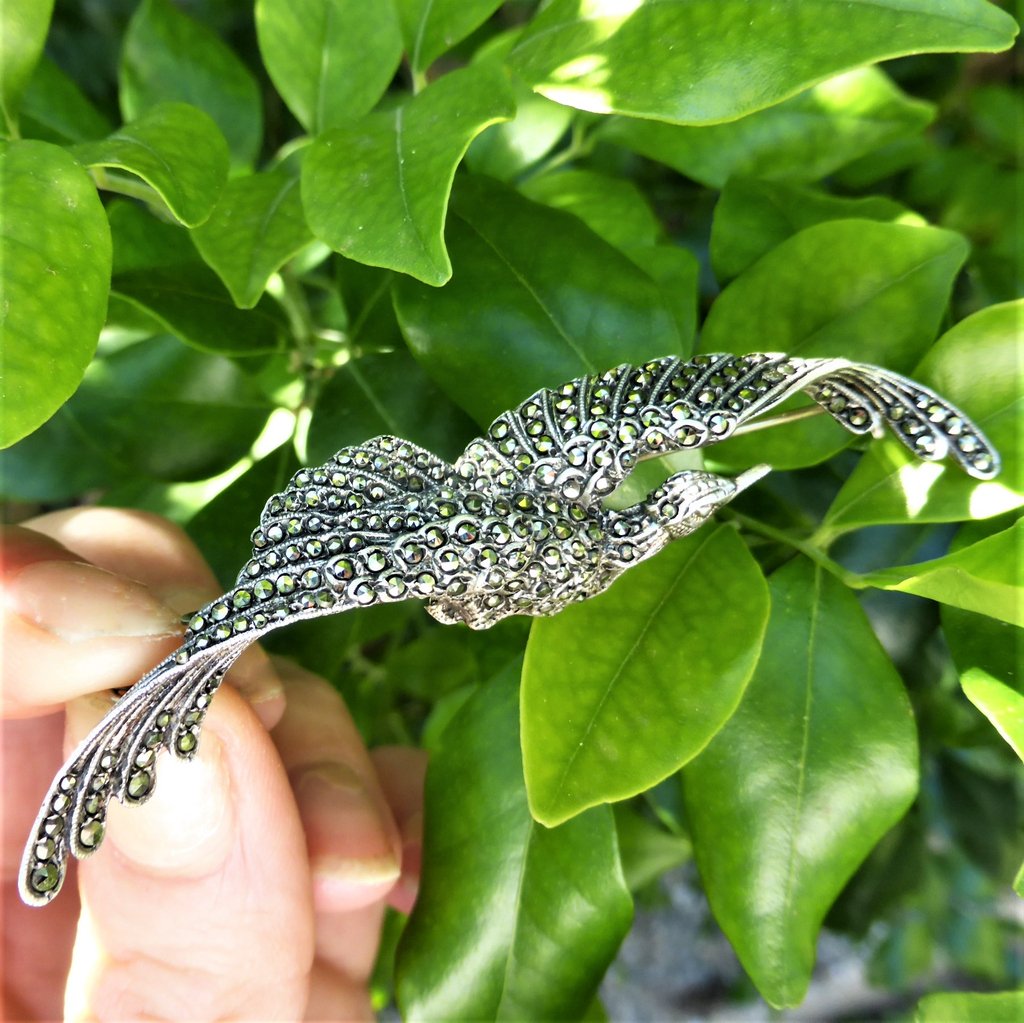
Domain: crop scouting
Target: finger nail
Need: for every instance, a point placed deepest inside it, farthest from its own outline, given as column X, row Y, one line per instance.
column 185, row 829
column 76, row 602
column 351, row 853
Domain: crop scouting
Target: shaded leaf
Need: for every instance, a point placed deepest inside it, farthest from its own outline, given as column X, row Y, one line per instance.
column 985, row 577
column 636, row 661
column 329, row 59
column 613, row 208
column 169, row 56
column 1003, row 706
column 513, row 921
column 977, row 366
column 818, row 762
column 536, row 299
column 55, row 109
column 385, row 393
column 377, row 190
column 676, row 271
column 23, row 28
column 800, row 140
column 190, row 302
column 978, row 641
column 752, row 217
column 596, row 54
column 855, row 288
column 175, row 148
column 432, row 27
column 256, row 226
column 54, row 278
column 647, row 850
column 155, row 408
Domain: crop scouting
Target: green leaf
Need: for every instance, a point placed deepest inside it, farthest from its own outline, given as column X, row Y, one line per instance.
column 999, row 703
column 155, row 408
column 985, row 577
column 168, row 56
column 613, row 208
column 432, row 27
column 720, row 59
column 676, row 271
column 175, row 148
column 513, row 921
column 377, row 190
column 978, row 641
column 23, row 28
column 536, row 299
column 622, row 665
column 385, row 394
column 143, row 241
column 800, row 140
column 966, row 1007
column 256, row 226
column 329, row 59
column 977, row 366
column 818, row 762
column 190, row 302
column 647, row 850
column 855, row 288
column 54, row 278
column 55, row 109
column 752, row 217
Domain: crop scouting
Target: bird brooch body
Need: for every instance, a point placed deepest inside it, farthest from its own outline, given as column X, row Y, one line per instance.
column 516, row 525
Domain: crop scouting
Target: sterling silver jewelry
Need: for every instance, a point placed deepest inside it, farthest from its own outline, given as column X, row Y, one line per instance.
column 515, row 526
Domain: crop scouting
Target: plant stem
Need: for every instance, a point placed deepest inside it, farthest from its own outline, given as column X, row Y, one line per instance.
column 132, row 187
column 579, row 145
column 783, row 417
column 816, row 554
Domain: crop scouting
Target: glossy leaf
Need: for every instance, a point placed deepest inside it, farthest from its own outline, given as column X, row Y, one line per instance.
column 175, row 148
column 155, row 409
column 752, row 217
column 856, row 288
column 329, row 59
column 970, row 1007
column 513, row 921
column 635, row 661
column 432, row 27
column 978, row 641
column 23, row 28
column 676, row 271
column 1003, row 706
column 385, row 393
column 377, row 190
column 54, row 278
column 168, row 56
column 977, row 366
column 190, row 302
column 613, row 208
column 596, row 54
column 536, row 299
column 55, row 109
column 987, row 577
column 818, row 762
column 257, row 225
column 801, row 140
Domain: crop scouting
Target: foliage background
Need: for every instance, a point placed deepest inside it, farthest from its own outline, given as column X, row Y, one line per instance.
column 248, row 208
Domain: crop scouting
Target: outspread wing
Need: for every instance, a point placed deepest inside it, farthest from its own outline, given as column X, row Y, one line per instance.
column 341, row 535
column 584, row 437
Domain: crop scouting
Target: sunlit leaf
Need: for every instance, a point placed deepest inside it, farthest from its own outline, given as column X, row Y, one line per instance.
column 1003, row 706
column 818, row 762
column 635, row 661
column 54, row 278
column 969, row 1007
column 596, row 54
column 377, row 190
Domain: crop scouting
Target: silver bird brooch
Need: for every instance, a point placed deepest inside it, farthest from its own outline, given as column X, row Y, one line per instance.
column 517, row 525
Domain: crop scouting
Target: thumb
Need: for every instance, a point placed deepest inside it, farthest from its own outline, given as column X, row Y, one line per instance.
column 198, row 905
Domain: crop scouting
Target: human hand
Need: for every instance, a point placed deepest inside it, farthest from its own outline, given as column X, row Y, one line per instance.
column 253, row 884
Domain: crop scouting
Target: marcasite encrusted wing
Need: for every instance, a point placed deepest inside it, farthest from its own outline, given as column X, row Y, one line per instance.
column 515, row 526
